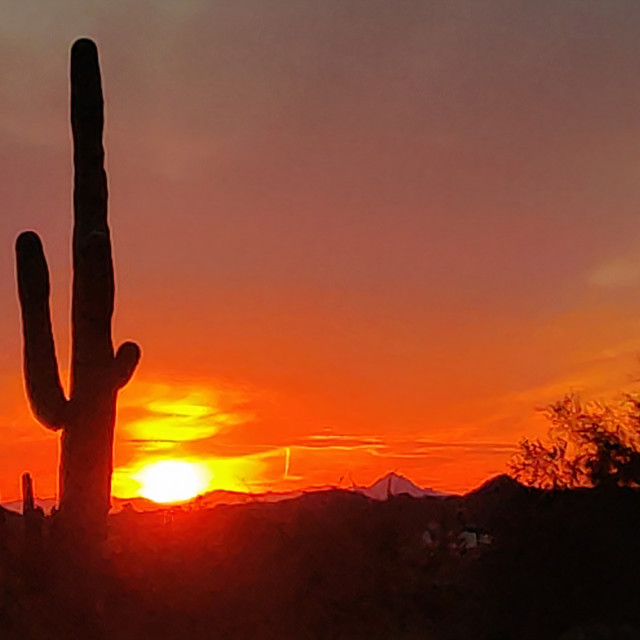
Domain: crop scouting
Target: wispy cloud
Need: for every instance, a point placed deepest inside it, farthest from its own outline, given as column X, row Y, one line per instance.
column 330, row 440
column 164, row 414
column 394, row 446
column 621, row 271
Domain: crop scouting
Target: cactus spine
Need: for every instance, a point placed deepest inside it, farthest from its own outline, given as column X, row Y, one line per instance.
column 87, row 417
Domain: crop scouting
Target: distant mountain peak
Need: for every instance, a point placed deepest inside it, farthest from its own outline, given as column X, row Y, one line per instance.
column 395, row 484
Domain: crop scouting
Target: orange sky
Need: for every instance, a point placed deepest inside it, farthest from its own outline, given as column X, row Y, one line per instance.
column 354, row 236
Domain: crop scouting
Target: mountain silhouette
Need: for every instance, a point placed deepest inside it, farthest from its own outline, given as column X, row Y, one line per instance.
column 395, row 484
column 391, row 484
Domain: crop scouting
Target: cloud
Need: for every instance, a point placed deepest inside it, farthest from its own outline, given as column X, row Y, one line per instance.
column 330, row 440
column 623, row 271
column 390, row 446
column 163, row 414
column 427, row 446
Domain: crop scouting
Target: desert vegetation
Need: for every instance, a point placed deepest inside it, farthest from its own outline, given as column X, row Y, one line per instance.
column 87, row 417
column 336, row 564
column 587, row 445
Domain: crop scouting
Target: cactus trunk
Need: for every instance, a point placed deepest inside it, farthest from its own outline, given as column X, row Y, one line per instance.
column 87, row 416
column 86, row 467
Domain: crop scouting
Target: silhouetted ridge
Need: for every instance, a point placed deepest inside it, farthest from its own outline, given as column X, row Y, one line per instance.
column 502, row 484
column 504, row 561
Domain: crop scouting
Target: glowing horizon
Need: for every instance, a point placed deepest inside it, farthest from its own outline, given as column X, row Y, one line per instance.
column 170, row 481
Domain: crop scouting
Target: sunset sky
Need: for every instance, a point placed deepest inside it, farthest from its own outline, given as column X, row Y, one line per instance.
column 350, row 236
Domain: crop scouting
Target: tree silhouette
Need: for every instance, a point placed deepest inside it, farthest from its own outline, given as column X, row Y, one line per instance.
column 587, row 445
column 87, row 416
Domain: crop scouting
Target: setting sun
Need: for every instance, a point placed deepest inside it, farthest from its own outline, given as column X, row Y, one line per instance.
column 172, row 481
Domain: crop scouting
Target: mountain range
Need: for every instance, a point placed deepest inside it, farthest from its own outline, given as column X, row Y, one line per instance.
column 391, row 484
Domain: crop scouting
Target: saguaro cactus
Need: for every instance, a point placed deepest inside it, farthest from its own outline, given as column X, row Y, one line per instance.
column 87, row 417
column 28, row 501
column 32, row 542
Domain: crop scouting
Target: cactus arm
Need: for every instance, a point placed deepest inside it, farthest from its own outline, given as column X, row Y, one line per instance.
column 125, row 363
column 44, row 390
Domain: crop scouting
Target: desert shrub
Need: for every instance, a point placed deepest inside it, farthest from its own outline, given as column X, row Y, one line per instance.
column 587, row 444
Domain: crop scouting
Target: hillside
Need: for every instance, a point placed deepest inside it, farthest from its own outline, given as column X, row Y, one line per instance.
column 501, row 562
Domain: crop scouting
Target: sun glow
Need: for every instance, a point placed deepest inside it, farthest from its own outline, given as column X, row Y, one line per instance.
column 172, row 480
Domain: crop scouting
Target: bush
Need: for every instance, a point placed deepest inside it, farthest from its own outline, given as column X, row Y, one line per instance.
column 588, row 444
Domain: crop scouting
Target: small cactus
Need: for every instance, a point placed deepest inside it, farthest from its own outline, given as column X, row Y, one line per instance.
column 87, row 417
column 33, row 542
column 28, row 503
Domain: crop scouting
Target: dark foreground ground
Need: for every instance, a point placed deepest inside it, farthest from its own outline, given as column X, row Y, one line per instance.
column 336, row 565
